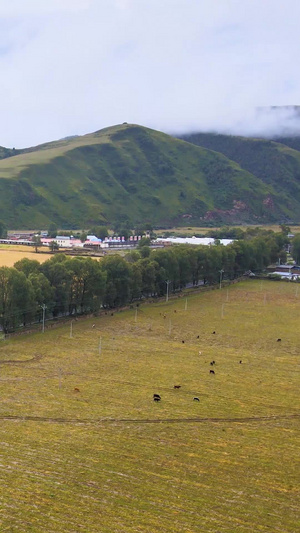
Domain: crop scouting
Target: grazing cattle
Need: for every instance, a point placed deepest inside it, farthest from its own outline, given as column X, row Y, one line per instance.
column 111, row 314
column 196, row 399
column 182, row 342
column 241, row 362
column 156, row 399
column 175, row 311
column 177, row 386
column 165, row 316
column 212, row 363
column 211, row 371
column 213, row 333
column 198, row 336
column 278, row 340
column 94, row 325
column 200, row 353
column 76, row 389
column 156, row 396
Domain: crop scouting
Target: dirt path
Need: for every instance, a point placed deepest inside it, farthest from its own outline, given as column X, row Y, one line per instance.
column 105, row 421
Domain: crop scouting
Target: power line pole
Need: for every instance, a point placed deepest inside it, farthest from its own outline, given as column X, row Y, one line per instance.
column 44, row 307
column 168, row 283
column 221, row 274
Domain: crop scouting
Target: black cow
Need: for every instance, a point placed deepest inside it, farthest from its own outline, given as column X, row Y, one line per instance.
column 196, row 399
column 211, row 371
column 156, row 397
column 177, row 386
column 278, row 340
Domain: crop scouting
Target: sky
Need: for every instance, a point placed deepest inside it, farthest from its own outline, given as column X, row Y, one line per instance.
column 71, row 67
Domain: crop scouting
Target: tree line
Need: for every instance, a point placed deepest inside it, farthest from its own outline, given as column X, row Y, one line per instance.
column 71, row 286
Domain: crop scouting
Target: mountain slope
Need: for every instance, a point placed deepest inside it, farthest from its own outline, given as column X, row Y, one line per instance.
column 274, row 163
column 132, row 172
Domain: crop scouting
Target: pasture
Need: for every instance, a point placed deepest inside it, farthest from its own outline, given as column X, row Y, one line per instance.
column 85, row 448
column 10, row 254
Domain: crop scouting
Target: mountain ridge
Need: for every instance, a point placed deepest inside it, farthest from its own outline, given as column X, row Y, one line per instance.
column 131, row 173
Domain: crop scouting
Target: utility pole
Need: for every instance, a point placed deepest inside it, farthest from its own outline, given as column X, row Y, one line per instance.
column 44, row 307
column 168, row 283
column 221, row 274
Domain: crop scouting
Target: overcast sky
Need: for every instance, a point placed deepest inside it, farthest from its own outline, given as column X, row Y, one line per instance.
column 75, row 66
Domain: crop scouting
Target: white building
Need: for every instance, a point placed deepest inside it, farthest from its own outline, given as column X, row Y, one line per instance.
column 206, row 241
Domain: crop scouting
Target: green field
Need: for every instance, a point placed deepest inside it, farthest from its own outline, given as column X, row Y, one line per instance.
column 107, row 458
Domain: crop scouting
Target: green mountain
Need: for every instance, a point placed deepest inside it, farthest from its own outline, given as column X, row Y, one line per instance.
column 276, row 163
column 129, row 172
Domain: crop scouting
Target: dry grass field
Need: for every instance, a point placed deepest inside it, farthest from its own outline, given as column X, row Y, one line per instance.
column 85, row 448
column 10, row 254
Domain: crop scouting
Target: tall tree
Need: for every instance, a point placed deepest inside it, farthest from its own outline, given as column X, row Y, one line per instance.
column 16, row 299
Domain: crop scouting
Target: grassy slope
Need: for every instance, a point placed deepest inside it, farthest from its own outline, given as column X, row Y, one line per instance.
column 102, row 467
column 125, row 170
column 273, row 163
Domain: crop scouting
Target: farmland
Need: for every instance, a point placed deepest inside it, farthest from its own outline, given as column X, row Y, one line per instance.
column 10, row 254
column 85, row 448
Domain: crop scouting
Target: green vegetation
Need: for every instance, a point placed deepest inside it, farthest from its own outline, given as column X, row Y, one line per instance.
column 82, row 285
column 81, row 446
column 130, row 176
column 275, row 164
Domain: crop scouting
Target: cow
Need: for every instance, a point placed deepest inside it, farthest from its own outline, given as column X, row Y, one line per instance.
column 211, row 371
column 156, row 396
column 156, row 399
column 196, row 399
column 241, row 362
column 278, row 340
column 94, row 325
column 177, row 386
column 76, row 389
column 198, row 336
column 213, row 333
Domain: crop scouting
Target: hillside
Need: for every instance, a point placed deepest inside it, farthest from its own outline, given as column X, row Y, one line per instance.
column 277, row 164
column 135, row 173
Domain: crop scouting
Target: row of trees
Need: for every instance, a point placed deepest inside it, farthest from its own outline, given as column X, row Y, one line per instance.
column 70, row 286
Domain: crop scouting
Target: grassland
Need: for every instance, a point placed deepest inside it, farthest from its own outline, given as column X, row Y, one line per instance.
column 132, row 172
column 207, row 230
column 10, row 254
column 108, row 459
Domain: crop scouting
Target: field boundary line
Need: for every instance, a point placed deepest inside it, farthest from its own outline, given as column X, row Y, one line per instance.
column 59, row 420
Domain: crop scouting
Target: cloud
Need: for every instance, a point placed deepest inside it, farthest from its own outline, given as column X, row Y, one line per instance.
column 72, row 67
column 18, row 8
